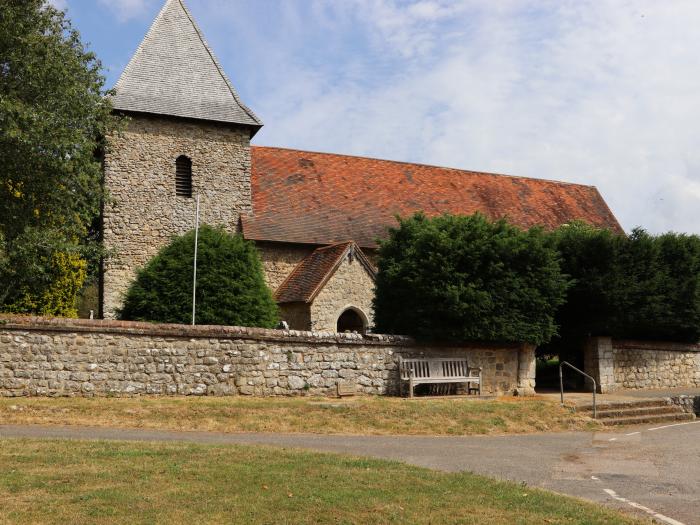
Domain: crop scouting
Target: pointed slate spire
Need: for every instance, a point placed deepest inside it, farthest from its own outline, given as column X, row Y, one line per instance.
column 174, row 72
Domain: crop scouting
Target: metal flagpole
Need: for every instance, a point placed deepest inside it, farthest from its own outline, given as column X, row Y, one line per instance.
column 194, row 278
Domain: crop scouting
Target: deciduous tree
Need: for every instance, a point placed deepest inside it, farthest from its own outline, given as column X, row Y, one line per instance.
column 53, row 118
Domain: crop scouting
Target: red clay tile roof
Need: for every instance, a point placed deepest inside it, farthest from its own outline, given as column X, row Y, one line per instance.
column 309, row 277
column 322, row 198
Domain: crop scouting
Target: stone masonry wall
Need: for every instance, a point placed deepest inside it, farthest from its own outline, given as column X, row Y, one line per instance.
column 648, row 365
column 687, row 403
column 350, row 286
column 298, row 315
column 59, row 357
column 279, row 259
column 143, row 213
column 641, row 364
column 598, row 362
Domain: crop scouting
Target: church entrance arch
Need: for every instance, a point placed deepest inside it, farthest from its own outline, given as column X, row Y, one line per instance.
column 352, row 320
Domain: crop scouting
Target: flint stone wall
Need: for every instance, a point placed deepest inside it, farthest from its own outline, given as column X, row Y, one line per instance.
column 687, row 403
column 279, row 259
column 60, row 357
column 143, row 213
column 617, row 364
column 351, row 286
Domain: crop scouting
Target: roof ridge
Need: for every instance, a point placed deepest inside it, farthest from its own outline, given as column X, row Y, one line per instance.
column 175, row 72
column 334, row 245
column 216, row 62
column 132, row 60
column 331, row 271
column 289, row 277
column 298, row 269
column 406, row 163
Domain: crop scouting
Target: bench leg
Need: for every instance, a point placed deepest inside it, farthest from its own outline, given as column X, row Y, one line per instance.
column 410, row 387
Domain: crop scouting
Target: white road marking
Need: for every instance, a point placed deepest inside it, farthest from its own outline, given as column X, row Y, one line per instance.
column 649, row 511
column 593, row 477
column 632, row 433
column 674, row 425
column 612, row 439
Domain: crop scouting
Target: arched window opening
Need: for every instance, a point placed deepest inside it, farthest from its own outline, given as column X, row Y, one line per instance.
column 183, row 176
column 351, row 321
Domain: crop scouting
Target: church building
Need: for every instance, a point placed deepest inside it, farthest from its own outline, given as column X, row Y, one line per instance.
column 315, row 217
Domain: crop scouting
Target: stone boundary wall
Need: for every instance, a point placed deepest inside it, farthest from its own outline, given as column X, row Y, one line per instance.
column 688, row 403
column 617, row 364
column 66, row 357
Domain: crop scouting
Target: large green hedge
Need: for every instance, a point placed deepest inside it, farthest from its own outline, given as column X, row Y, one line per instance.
column 636, row 286
column 457, row 278
column 465, row 278
column 231, row 289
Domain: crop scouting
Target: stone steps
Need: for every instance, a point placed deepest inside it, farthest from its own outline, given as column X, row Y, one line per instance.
column 644, row 411
column 621, row 405
column 640, row 420
column 634, row 412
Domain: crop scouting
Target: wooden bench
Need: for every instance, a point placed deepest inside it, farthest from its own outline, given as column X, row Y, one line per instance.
column 436, row 370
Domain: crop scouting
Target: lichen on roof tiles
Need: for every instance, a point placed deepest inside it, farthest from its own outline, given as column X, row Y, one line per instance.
column 322, row 198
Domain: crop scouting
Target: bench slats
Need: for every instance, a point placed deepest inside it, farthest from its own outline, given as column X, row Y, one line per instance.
column 438, row 370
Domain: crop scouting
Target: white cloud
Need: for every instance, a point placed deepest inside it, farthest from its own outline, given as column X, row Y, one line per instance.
column 58, row 4
column 602, row 92
column 127, row 9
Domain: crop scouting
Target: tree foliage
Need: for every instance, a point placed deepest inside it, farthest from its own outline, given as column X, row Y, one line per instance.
column 636, row 286
column 48, row 279
column 231, row 289
column 53, row 118
column 460, row 278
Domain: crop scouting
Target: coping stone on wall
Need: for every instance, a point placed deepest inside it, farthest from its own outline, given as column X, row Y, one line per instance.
column 198, row 331
column 662, row 346
column 59, row 324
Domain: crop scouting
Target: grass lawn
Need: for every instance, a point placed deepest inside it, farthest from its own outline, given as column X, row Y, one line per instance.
column 360, row 415
column 93, row 482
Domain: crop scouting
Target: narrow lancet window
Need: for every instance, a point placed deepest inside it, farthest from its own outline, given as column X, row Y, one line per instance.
column 183, row 176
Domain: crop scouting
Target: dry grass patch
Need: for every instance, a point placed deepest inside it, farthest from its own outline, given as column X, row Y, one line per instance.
column 103, row 483
column 361, row 415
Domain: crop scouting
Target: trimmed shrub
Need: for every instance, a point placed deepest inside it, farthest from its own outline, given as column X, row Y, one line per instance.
column 591, row 258
column 231, row 289
column 457, row 278
column 636, row 287
column 679, row 254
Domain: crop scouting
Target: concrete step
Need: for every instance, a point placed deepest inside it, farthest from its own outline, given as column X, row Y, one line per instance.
column 637, row 412
column 617, row 405
column 653, row 419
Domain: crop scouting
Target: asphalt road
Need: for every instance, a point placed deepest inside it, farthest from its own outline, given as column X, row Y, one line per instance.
column 651, row 471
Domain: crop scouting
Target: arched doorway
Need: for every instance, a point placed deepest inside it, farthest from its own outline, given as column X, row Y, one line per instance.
column 351, row 321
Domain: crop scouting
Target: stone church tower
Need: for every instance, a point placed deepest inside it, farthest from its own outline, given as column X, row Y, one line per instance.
column 188, row 134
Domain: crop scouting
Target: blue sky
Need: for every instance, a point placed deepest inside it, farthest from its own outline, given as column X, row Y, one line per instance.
column 601, row 92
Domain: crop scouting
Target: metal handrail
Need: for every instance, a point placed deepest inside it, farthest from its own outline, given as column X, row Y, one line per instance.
column 561, row 383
